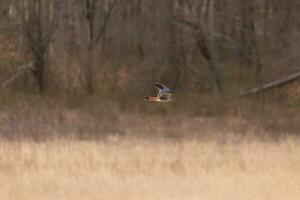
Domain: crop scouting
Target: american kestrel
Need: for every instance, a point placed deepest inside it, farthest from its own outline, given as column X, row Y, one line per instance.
column 164, row 94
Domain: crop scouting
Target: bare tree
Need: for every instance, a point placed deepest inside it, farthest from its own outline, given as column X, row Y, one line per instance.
column 207, row 47
column 145, row 35
column 97, row 14
column 250, row 46
column 38, row 23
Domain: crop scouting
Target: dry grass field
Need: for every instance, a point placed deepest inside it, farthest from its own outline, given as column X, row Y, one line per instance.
column 121, row 168
column 82, row 152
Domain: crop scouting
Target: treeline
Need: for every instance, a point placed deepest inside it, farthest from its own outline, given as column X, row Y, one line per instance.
column 120, row 46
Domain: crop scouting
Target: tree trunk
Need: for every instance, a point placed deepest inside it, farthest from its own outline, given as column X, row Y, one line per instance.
column 95, row 34
column 266, row 20
column 39, row 74
column 220, row 19
column 216, row 45
column 208, row 53
column 247, row 37
column 173, row 59
column 254, row 45
column 89, row 72
column 140, row 30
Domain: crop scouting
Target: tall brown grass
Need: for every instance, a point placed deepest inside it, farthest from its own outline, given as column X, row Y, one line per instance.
column 41, row 118
column 131, row 168
column 90, row 149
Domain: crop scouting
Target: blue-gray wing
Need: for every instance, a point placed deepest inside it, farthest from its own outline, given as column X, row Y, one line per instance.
column 162, row 89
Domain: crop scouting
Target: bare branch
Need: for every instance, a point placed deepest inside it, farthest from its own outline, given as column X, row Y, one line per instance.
column 21, row 70
column 105, row 20
column 200, row 36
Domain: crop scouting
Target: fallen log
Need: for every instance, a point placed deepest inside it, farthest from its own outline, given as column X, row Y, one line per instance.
column 277, row 83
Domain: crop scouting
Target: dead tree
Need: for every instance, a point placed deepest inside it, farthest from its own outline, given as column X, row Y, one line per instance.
column 247, row 33
column 273, row 84
column 208, row 50
column 251, row 48
column 96, row 16
column 38, row 22
column 173, row 72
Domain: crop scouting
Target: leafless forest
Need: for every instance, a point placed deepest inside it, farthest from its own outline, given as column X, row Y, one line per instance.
column 105, row 46
column 101, row 57
column 224, row 58
column 221, row 58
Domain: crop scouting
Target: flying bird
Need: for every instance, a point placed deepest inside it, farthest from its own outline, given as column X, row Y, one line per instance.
column 164, row 94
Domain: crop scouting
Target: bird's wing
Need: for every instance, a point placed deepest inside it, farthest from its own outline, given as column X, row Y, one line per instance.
column 165, row 96
column 162, row 89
